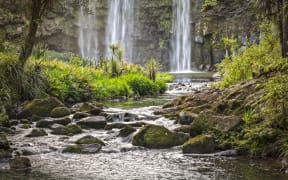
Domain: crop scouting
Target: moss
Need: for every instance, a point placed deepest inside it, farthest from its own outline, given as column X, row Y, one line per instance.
column 72, row 149
column 26, row 126
column 153, row 136
column 37, row 133
column 89, row 140
column 40, row 107
column 60, row 112
column 201, row 144
column 44, row 124
column 69, row 130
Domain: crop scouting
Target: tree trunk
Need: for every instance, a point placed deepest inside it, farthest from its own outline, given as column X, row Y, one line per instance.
column 284, row 30
column 31, row 37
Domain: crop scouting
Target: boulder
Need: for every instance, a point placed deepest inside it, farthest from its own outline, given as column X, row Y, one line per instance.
column 80, row 115
column 62, row 121
column 20, row 164
column 187, row 118
column 83, row 149
column 158, row 137
column 89, row 140
column 126, row 131
column 95, row 122
column 25, row 126
column 69, row 130
column 44, row 124
column 91, row 109
column 183, row 129
column 37, row 133
column 115, row 126
column 4, row 144
column 26, row 152
column 40, row 107
column 60, row 112
column 202, row 144
column 5, row 154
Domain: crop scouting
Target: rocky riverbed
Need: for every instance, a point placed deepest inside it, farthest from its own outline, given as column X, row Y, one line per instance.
column 92, row 141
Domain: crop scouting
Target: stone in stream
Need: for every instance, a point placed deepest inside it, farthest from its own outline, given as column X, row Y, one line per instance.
column 94, row 122
column 48, row 123
column 37, row 133
column 89, row 140
column 83, row 148
column 91, row 109
column 126, row 131
column 80, row 115
column 4, row 144
column 187, row 118
column 115, row 126
column 202, row 144
column 60, row 112
column 69, row 130
column 158, row 137
column 20, row 164
column 122, row 117
column 40, row 107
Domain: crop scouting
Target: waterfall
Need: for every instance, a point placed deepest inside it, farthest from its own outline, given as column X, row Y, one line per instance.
column 120, row 27
column 181, row 40
column 87, row 40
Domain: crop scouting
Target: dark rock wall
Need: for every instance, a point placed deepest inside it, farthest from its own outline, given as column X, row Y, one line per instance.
column 153, row 23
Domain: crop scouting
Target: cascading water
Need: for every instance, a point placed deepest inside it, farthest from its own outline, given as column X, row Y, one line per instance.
column 120, row 27
column 181, row 40
column 88, row 41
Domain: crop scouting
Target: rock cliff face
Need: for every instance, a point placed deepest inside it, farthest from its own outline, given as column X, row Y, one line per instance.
column 152, row 33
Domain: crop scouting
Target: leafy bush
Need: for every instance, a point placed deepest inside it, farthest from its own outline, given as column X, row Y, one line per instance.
column 209, row 4
column 166, row 77
column 255, row 58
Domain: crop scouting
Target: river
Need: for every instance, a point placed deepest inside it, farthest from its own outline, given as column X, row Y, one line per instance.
column 119, row 159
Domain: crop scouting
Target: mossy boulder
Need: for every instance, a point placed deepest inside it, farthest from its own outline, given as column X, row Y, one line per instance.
column 25, row 126
column 44, row 124
column 40, row 107
column 91, row 109
column 95, row 122
column 20, row 164
column 83, row 149
column 80, row 115
column 126, row 131
column 89, row 140
column 69, row 130
column 37, row 133
column 62, row 121
column 26, row 152
column 158, row 137
column 60, row 112
column 4, row 144
column 201, row 144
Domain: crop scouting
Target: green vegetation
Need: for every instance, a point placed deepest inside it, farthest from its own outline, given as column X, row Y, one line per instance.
column 208, row 4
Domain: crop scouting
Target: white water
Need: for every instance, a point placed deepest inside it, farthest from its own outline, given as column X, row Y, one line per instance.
column 181, row 40
column 120, row 27
column 88, row 41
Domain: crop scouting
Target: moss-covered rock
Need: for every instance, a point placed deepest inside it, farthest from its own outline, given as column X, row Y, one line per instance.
column 60, row 112
column 89, row 140
column 80, row 115
column 40, row 107
column 126, row 131
column 201, row 144
column 4, row 144
column 26, row 152
column 25, row 126
column 37, row 133
column 152, row 136
column 69, row 130
column 91, row 109
column 20, row 164
column 44, row 124
column 62, row 121
column 95, row 122
column 83, row 149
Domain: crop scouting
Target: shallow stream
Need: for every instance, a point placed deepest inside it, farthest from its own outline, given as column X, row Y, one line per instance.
column 119, row 159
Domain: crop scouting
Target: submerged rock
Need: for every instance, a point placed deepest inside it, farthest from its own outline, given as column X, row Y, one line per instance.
column 83, row 149
column 40, row 107
column 153, row 136
column 89, row 140
column 20, row 164
column 126, row 131
column 60, row 112
column 69, row 130
column 202, row 144
column 37, row 133
column 95, row 122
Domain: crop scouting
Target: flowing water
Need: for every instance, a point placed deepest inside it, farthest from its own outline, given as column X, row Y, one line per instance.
column 181, row 40
column 120, row 27
column 87, row 22
column 119, row 159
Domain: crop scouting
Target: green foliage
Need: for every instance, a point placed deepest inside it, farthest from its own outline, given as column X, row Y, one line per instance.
column 166, row 77
column 208, row 4
column 256, row 57
column 141, row 85
column 152, row 67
